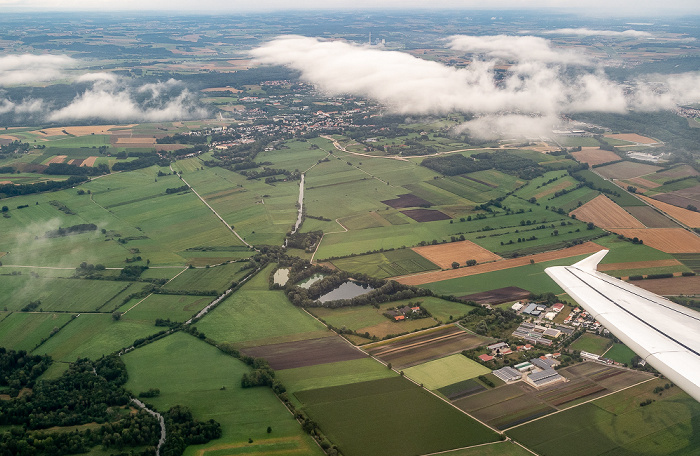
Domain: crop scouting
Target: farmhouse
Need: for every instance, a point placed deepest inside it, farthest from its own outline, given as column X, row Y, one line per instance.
column 558, row 307
column 508, row 374
column 485, row 357
column 498, row 348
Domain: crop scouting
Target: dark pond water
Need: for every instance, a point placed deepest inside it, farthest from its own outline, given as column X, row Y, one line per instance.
column 348, row 290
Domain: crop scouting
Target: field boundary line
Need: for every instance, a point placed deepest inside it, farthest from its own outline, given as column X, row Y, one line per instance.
column 210, row 208
column 465, row 448
column 582, row 403
column 127, row 310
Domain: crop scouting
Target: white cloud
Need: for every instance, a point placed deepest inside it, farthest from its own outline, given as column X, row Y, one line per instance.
column 658, row 92
column 94, row 77
column 515, row 48
column 528, row 99
column 109, row 99
column 590, row 32
column 28, row 68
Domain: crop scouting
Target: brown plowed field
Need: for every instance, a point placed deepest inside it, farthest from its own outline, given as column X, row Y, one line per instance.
column 672, row 286
column 605, row 213
column 650, row 217
column 626, row 170
column 425, row 215
column 633, row 137
column 426, row 346
column 594, row 156
column 437, row 276
column 686, row 217
column 669, row 240
column 638, row 265
column 407, row 200
column 289, row 355
column 646, row 183
column 444, row 254
column 90, row 161
column 497, row 296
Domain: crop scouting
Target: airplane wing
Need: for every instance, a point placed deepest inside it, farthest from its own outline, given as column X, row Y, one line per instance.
column 663, row 333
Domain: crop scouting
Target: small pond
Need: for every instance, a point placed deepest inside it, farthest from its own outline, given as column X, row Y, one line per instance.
column 311, row 280
column 348, row 290
column 281, row 277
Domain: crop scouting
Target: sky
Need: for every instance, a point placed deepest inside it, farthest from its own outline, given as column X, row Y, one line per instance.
column 583, row 7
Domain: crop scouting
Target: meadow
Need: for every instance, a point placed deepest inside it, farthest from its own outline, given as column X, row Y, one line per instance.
column 254, row 315
column 217, row 278
column 192, row 373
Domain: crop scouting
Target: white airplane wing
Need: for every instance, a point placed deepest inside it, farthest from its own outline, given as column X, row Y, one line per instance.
column 663, row 333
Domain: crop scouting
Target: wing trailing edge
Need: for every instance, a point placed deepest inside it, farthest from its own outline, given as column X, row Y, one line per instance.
column 663, row 333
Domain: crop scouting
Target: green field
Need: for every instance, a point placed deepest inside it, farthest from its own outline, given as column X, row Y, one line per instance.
column 175, row 307
column 625, row 199
column 530, row 277
column 24, row 331
column 254, row 315
column 94, row 335
column 191, row 373
column 333, row 374
column 621, row 353
column 445, row 371
column 377, row 411
column 617, row 425
column 386, row 264
column 217, row 278
column 591, row 343
column 58, row 294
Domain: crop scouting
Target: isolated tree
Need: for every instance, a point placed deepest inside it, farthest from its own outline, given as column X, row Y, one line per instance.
column 116, row 315
column 5, row 208
column 471, row 262
column 455, row 265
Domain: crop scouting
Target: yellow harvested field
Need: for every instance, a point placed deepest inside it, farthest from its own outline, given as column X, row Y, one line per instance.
column 123, row 140
column 57, row 159
column 594, row 156
column 10, row 137
column 605, row 213
column 686, row 217
column 638, row 265
column 444, row 255
column 669, row 240
column 633, row 137
column 90, row 161
column 437, row 276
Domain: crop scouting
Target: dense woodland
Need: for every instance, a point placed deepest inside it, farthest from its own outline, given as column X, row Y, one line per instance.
column 88, row 392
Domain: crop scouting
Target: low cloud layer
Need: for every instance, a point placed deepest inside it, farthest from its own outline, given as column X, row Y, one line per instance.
column 112, row 100
column 534, row 93
column 107, row 97
column 590, row 32
column 518, row 48
column 28, row 68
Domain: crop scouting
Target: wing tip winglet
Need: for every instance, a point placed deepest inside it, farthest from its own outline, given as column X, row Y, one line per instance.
column 590, row 263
